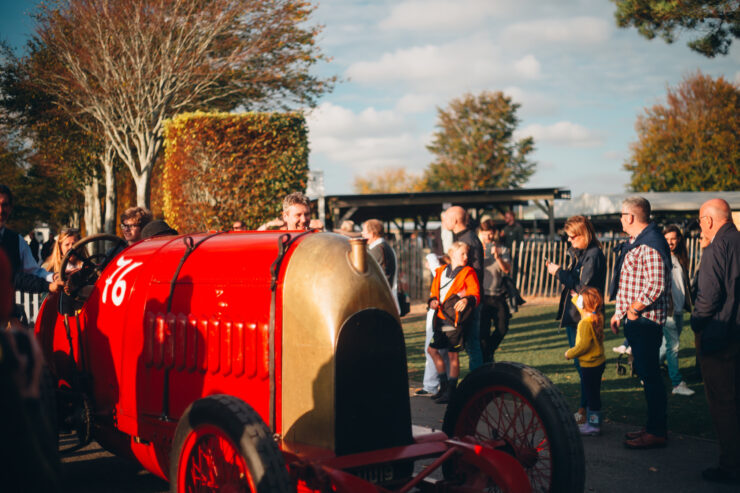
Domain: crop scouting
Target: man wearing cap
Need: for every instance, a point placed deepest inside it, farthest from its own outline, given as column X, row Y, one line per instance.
column 157, row 228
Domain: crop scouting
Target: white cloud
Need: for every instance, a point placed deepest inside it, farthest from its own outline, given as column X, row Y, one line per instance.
column 463, row 65
column 336, row 121
column 585, row 31
column 364, row 140
column 418, row 103
column 561, row 133
column 532, row 103
column 445, row 15
column 528, row 67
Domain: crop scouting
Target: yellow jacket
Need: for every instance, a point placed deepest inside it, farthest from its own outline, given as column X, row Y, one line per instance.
column 588, row 349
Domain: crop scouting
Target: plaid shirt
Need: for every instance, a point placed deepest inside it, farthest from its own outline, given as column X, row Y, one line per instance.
column 643, row 278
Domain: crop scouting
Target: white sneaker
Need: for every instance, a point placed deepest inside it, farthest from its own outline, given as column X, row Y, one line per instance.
column 620, row 349
column 682, row 389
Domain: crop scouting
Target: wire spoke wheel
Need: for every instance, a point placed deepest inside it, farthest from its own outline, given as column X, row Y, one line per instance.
column 498, row 413
column 221, row 444
column 517, row 410
column 214, row 463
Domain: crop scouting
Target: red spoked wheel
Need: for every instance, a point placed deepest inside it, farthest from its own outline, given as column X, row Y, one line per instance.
column 517, row 410
column 222, row 444
column 212, row 462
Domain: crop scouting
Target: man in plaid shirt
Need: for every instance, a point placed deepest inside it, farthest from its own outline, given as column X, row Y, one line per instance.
column 642, row 292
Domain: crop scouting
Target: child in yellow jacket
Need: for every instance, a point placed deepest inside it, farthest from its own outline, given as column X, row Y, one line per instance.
column 589, row 349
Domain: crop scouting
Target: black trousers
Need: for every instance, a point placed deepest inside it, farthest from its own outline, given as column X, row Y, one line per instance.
column 493, row 309
column 721, row 372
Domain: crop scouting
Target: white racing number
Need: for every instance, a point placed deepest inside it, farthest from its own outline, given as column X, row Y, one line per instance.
column 119, row 287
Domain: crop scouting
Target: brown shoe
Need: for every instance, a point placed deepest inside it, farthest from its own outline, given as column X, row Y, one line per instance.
column 631, row 435
column 645, row 441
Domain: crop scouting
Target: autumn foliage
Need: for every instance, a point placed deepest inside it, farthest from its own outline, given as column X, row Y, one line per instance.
column 221, row 167
column 690, row 143
column 475, row 147
column 388, row 180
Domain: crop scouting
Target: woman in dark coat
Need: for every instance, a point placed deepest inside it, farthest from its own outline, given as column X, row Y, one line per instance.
column 586, row 266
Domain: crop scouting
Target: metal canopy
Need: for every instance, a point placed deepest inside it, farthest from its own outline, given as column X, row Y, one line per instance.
column 423, row 206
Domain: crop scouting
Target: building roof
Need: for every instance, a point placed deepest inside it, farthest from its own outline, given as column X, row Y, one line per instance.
column 660, row 202
column 423, row 206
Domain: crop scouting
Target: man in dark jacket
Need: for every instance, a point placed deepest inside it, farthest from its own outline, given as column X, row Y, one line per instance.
column 27, row 275
column 455, row 219
column 716, row 322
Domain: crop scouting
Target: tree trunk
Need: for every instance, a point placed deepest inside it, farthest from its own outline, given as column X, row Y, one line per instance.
column 93, row 216
column 109, row 224
column 143, row 186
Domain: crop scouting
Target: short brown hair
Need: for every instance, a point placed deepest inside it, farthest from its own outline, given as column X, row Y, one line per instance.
column 295, row 198
column 580, row 225
column 141, row 215
column 374, row 227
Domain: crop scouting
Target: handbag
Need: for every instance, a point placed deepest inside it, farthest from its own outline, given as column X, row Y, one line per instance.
column 404, row 305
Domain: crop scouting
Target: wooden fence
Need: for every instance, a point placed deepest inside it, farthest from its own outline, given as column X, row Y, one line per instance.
column 530, row 272
column 533, row 280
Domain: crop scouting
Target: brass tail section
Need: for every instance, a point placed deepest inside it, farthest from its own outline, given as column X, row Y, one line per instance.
column 326, row 282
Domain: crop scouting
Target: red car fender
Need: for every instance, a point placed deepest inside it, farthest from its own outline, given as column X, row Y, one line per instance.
column 505, row 470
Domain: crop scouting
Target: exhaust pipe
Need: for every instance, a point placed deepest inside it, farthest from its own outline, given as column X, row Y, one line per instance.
column 358, row 254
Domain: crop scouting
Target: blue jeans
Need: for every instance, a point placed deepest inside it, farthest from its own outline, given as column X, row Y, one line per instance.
column 571, row 331
column 644, row 337
column 669, row 347
column 471, row 340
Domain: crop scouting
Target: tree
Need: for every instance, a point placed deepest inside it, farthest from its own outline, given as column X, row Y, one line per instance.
column 690, row 143
column 388, row 180
column 475, row 145
column 717, row 21
column 128, row 65
column 73, row 158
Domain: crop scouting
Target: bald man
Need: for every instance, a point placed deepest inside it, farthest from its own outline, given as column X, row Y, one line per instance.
column 455, row 219
column 716, row 322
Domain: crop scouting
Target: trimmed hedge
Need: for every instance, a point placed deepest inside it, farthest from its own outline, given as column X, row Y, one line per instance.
column 220, row 167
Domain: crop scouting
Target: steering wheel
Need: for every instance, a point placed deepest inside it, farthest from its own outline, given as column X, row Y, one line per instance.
column 92, row 265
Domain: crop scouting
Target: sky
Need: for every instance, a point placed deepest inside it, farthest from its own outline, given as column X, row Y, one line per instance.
column 581, row 81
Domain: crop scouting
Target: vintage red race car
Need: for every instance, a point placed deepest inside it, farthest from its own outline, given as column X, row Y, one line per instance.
column 275, row 361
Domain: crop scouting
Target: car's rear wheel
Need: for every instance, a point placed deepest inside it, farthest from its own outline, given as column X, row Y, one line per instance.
column 519, row 409
column 222, row 444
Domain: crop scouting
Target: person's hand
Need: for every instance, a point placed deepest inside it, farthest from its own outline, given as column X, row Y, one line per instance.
column 460, row 305
column 552, row 269
column 615, row 324
column 433, row 304
column 630, row 316
column 55, row 285
column 566, row 355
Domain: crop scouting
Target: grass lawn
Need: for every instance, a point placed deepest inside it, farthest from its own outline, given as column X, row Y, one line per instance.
column 535, row 339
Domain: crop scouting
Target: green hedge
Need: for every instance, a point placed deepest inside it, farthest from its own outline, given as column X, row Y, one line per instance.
column 220, row 167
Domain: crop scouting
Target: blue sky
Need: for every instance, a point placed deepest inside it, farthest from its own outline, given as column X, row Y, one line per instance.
column 580, row 80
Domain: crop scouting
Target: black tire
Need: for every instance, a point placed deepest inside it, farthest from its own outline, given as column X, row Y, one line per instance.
column 495, row 399
column 224, row 417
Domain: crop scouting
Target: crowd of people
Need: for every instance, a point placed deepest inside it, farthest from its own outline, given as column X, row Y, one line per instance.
column 651, row 289
column 472, row 290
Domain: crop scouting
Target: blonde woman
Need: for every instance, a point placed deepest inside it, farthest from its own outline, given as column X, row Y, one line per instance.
column 65, row 240
column 585, row 266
